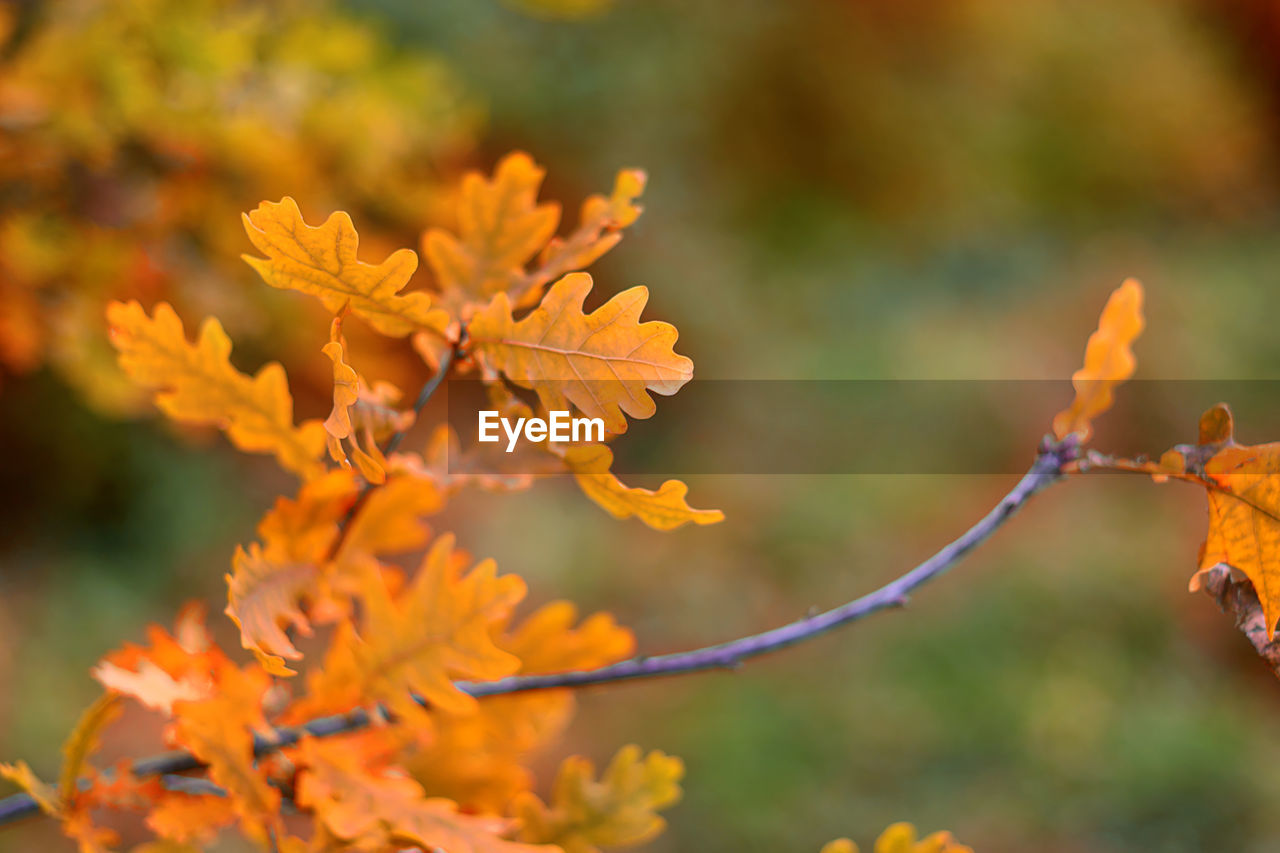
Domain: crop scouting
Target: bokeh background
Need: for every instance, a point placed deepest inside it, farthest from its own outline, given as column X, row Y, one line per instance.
column 840, row 189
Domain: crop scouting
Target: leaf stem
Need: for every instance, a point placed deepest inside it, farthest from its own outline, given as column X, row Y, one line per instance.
column 393, row 443
column 1045, row 471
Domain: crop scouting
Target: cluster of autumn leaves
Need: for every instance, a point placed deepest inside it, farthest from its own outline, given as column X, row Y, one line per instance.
column 437, row 769
column 442, row 770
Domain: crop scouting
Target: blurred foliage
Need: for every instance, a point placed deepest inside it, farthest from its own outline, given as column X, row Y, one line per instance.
column 858, row 189
column 134, row 134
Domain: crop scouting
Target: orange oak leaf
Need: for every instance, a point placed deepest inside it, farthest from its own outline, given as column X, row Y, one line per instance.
column 346, row 385
column 360, row 417
column 372, row 808
column 389, row 522
column 478, row 759
column 599, row 230
column 619, row 809
column 270, row 582
column 196, row 384
column 1244, row 508
column 664, row 509
column 321, row 261
column 173, row 667
column 604, row 363
column 263, row 598
column 839, row 845
column 437, row 629
column 1108, row 361
column 218, row 730
column 546, row 641
column 500, row 228
column 186, row 818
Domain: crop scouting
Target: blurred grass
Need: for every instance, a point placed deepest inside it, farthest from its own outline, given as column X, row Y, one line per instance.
column 839, row 190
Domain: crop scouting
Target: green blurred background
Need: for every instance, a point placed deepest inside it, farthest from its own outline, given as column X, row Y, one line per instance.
column 839, row 189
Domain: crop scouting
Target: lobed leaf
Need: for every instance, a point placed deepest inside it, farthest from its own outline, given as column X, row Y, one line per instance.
column 197, row 384
column 500, row 228
column 618, row 810
column 604, row 363
column 438, row 628
column 478, row 759
column 373, row 808
column 218, row 730
column 664, row 509
column 1244, row 509
column 321, row 261
column 1108, row 361
column 171, row 668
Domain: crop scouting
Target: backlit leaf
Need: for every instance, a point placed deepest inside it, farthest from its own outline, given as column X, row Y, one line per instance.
column 171, row 668
column 618, row 810
column 196, row 384
column 1244, row 509
column 219, row 729
column 437, row 629
column 604, row 363
column 321, row 261
column 478, row 759
column 373, row 808
column 664, row 509
column 599, row 230
column 901, row 838
column 500, row 228
column 1108, row 361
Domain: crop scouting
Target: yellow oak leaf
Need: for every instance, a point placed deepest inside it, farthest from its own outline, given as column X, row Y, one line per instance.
column 901, row 838
column 664, row 509
column 604, row 363
column 546, row 641
column 1244, row 508
column 197, row 384
column 500, row 228
column 84, row 741
column 321, row 261
column 619, row 809
column 1108, row 361
column 45, row 795
column 372, row 808
column 599, row 230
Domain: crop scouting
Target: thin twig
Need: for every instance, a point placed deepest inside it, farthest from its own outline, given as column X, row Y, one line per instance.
column 1046, row 470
